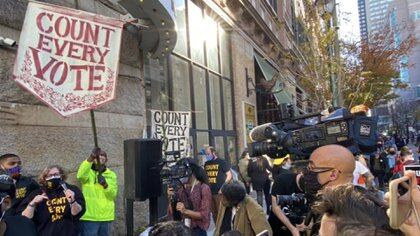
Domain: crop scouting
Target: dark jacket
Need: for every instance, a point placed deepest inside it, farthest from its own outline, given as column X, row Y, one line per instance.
column 259, row 175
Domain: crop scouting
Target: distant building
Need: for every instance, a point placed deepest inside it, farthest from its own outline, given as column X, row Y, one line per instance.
column 362, row 20
column 376, row 14
column 407, row 12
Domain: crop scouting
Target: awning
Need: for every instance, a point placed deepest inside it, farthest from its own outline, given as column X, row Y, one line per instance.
column 269, row 73
column 159, row 36
column 281, row 94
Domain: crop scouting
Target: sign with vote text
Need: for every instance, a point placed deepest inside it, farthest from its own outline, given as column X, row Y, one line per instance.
column 173, row 128
column 68, row 58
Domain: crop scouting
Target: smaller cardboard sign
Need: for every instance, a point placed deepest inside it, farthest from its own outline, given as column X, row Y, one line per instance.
column 416, row 169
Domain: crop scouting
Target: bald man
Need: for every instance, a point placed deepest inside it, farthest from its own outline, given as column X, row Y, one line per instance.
column 329, row 165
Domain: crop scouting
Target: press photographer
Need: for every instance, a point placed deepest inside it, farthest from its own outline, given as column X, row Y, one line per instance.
column 191, row 198
column 329, row 165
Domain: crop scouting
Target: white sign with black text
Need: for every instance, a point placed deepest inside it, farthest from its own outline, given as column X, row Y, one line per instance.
column 173, row 128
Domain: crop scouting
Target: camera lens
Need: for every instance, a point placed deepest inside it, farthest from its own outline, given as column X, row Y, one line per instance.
column 261, row 148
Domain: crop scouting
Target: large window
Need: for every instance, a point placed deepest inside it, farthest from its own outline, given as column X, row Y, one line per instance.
column 199, row 78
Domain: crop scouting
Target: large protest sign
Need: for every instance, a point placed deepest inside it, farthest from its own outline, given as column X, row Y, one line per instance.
column 68, row 58
column 173, row 127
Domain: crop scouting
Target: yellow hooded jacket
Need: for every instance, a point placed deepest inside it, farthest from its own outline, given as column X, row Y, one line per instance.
column 100, row 202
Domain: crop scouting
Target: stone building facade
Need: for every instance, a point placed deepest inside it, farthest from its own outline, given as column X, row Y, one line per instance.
column 211, row 72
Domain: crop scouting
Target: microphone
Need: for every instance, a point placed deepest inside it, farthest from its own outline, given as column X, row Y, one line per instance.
column 63, row 185
column 264, row 132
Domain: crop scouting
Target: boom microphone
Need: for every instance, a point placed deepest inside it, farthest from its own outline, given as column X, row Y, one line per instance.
column 263, row 132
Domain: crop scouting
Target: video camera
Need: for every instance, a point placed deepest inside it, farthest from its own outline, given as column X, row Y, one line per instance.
column 303, row 134
column 294, row 206
column 174, row 168
column 7, row 187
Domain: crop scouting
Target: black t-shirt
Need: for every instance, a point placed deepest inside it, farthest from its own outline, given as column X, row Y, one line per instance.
column 216, row 171
column 19, row 225
column 53, row 216
column 285, row 184
column 24, row 187
column 278, row 170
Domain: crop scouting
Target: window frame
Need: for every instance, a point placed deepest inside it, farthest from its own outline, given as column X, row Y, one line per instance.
column 207, row 70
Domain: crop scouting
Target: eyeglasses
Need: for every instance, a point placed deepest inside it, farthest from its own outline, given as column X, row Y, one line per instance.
column 320, row 169
column 52, row 176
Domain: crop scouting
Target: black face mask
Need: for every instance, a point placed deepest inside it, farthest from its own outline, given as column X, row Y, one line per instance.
column 99, row 167
column 392, row 153
column 310, row 182
column 53, row 183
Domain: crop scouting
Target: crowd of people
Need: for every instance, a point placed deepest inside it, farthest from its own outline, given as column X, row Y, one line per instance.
column 51, row 206
column 335, row 192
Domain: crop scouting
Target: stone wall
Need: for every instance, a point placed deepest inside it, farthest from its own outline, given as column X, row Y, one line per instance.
column 41, row 137
column 242, row 58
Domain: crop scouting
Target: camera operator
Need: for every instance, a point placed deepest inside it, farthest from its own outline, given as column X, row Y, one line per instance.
column 284, row 184
column 195, row 200
column 329, row 165
column 11, row 225
column 100, row 188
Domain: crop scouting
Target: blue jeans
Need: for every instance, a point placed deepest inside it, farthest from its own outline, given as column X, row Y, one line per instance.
column 92, row 228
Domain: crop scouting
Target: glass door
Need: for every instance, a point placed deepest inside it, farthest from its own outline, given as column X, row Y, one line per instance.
column 225, row 144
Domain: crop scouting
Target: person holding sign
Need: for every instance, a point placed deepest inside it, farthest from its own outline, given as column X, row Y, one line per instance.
column 57, row 207
column 218, row 171
column 100, row 188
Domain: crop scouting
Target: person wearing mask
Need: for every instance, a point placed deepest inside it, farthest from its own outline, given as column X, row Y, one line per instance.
column 362, row 175
column 391, row 158
column 243, row 170
column 194, row 200
column 100, row 188
column 57, row 207
column 218, row 172
column 240, row 212
column 12, row 225
column 406, row 159
column 281, row 166
column 379, row 166
column 329, row 165
column 399, row 142
column 259, row 170
column 11, row 164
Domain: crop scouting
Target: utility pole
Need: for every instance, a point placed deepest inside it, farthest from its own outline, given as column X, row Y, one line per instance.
column 334, row 53
column 337, row 96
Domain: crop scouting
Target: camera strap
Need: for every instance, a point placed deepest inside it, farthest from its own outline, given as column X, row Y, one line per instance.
column 190, row 204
